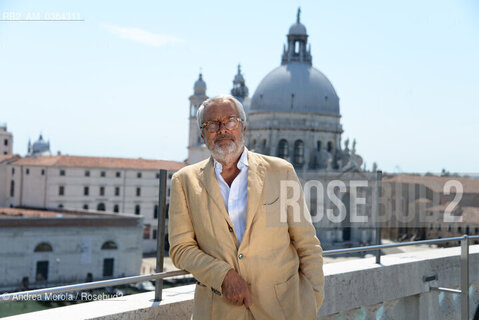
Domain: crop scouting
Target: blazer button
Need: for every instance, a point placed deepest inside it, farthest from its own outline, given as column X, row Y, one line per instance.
column 241, row 256
column 230, row 229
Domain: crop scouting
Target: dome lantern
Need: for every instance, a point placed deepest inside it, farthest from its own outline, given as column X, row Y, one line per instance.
column 297, row 50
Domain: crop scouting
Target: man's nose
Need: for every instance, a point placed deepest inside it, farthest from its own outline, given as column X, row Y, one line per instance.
column 222, row 127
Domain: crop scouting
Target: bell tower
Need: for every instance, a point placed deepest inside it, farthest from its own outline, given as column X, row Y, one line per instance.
column 197, row 150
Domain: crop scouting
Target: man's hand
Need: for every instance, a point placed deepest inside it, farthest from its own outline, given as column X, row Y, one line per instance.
column 235, row 289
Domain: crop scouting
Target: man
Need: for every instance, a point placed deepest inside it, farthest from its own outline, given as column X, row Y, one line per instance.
column 252, row 260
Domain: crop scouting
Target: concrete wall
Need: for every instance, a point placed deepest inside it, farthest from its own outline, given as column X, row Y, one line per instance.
column 358, row 289
column 76, row 251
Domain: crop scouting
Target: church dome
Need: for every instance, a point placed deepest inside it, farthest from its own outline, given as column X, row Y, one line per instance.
column 298, row 29
column 295, row 87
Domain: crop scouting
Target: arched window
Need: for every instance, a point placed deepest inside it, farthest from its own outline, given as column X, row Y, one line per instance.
column 330, row 146
column 85, row 207
column 109, row 245
column 116, row 208
column 137, row 209
column 43, row 247
column 283, row 149
column 299, row 153
column 101, row 207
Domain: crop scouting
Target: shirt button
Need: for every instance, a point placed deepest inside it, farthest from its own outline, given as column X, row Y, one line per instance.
column 230, row 229
column 241, row 256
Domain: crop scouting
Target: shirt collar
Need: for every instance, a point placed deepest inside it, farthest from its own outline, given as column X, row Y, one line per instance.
column 242, row 162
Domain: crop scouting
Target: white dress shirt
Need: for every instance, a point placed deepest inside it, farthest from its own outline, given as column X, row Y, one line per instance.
column 235, row 198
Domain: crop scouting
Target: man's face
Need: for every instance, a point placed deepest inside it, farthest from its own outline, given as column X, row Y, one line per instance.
column 223, row 142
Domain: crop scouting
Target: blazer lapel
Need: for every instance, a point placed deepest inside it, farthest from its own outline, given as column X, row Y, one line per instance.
column 207, row 177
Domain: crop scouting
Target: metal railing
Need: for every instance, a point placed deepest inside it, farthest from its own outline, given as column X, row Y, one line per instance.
column 160, row 275
column 464, row 292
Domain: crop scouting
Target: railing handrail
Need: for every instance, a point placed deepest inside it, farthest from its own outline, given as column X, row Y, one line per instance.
column 163, row 275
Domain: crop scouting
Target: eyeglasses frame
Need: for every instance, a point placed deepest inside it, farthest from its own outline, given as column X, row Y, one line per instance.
column 222, row 122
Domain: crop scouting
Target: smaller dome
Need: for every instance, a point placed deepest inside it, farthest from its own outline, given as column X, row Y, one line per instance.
column 39, row 147
column 200, row 83
column 298, row 29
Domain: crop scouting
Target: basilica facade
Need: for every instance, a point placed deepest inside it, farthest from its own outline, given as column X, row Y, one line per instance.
column 294, row 114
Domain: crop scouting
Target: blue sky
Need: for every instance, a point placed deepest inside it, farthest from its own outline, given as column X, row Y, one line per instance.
column 117, row 84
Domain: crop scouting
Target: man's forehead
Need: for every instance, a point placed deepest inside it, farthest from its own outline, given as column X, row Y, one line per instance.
column 220, row 109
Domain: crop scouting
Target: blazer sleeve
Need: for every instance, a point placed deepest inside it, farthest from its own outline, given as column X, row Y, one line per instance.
column 308, row 247
column 184, row 251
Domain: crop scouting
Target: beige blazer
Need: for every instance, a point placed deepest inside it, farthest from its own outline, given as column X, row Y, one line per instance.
column 281, row 261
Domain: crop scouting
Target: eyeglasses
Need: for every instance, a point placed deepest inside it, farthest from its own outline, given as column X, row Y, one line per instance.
column 215, row 125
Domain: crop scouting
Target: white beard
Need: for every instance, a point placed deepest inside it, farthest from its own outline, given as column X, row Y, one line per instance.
column 229, row 154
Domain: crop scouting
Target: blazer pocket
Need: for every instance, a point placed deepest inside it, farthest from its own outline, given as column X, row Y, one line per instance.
column 268, row 203
column 296, row 297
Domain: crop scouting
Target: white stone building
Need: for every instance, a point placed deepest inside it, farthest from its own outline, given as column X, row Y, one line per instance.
column 41, row 248
column 6, row 140
column 128, row 186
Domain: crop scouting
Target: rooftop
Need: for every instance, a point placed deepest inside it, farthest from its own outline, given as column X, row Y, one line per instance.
column 7, row 157
column 435, row 183
column 30, row 217
column 99, row 162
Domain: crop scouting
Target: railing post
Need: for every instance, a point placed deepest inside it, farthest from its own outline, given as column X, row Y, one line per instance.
column 160, row 233
column 465, row 278
column 379, row 177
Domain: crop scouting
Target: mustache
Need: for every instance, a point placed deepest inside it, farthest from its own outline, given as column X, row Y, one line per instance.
column 227, row 136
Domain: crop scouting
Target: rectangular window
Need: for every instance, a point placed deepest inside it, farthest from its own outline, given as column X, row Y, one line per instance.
column 108, row 267
column 138, row 175
column 61, row 190
column 146, row 231
column 154, row 233
column 42, row 271
column 138, row 192
column 155, row 212
column 27, row 171
column 5, row 142
column 137, row 209
column 62, row 172
column 102, row 191
column 118, row 174
column 103, row 174
column 43, row 172
column 13, row 171
column 86, row 191
column 87, row 173
column 157, row 176
column 12, row 188
column 116, row 208
column 117, row 191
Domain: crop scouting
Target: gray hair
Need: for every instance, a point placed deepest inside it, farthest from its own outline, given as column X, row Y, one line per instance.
column 216, row 99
